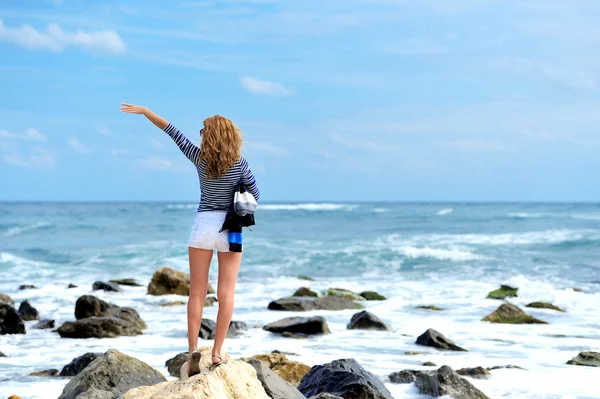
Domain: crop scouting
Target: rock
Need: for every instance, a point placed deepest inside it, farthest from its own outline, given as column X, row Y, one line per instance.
column 544, row 305
column 366, row 321
column 302, row 325
column 108, row 287
column 336, row 303
column 325, row 395
column 510, row 314
column 210, row 301
column 208, row 328
column 43, row 324
column 2, row 355
column 44, row 373
column 112, row 374
column 234, row 380
column 10, row 321
column 174, row 303
column 291, row 371
column 6, row 299
column 372, row 296
column 27, row 287
column 299, row 304
column 343, row 293
column 411, row 353
column 167, row 281
column 28, row 312
column 71, row 286
column 577, row 289
column 303, row 277
column 14, row 397
column 274, row 385
column 437, row 340
column 509, row 366
column 345, row 378
column 98, row 327
column 445, row 381
column 90, row 306
column 77, row 365
column 174, row 364
column 306, row 292
column 430, row 307
column 503, row 292
column 131, row 282
column 287, row 334
column 429, row 364
column 285, row 353
column 591, row 359
column 403, row 377
column 474, row 372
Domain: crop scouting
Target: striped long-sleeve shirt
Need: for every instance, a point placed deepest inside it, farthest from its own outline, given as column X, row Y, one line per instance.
column 216, row 194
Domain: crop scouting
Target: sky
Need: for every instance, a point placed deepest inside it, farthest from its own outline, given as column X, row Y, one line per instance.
column 339, row 100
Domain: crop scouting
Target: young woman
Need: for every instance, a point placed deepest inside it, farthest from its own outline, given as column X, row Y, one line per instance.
column 220, row 167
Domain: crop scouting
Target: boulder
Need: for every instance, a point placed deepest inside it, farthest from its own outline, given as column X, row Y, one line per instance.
column 474, row 372
column 302, row 325
column 300, row 304
column 173, row 303
column 26, row 287
column 77, row 365
column 108, row 287
column 71, row 285
column 429, row 364
column 403, row 377
column 508, row 313
column 98, row 327
column 345, row 378
column 591, row 359
column 366, row 321
column 131, row 282
column 343, row 293
column 304, row 291
column 208, row 329
column 2, row 355
column 445, row 381
column 306, row 278
column 111, row 375
column 167, row 281
column 543, row 305
column 6, row 299
column 43, row 324
column 28, row 312
column 174, row 364
column 90, row 306
column 210, row 301
column 325, row 395
column 336, row 303
column 505, row 291
column 508, row 366
column 14, row 397
column 372, row 296
column 287, row 334
column 234, row 380
column 44, row 373
column 275, row 386
column 291, row 371
column 437, row 340
column 10, row 321
column 430, row 307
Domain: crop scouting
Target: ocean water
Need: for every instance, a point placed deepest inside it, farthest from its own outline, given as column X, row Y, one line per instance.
column 449, row 255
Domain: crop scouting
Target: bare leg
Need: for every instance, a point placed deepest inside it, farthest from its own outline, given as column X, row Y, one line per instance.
column 199, row 266
column 229, row 265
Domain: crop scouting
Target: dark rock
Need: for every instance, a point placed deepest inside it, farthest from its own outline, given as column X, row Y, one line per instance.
column 28, row 312
column 508, row 313
column 131, row 282
column 437, row 340
column 366, row 321
column 275, row 386
column 89, row 306
column 71, row 286
column 345, row 378
column 174, row 303
column 412, row 353
column 577, row 289
column 10, row 321
column 474, row 372
column 336, row 303
column 44, row 373
column 300, row 304
column 128, row 315
column 27, row 287
column 114, row 373
column 325, row 395
column 302, row 325
column 77, row 365
column 305, row 292
column 109, row 287
column 6, row 299
column 285, row 353
column 543, row 305
column 445, row 381
column 43, row 324
column 174, row 364
column 208, row 329
column 430, row 307
column 303, row 277
column 288, row 334
column 98, row 327
column 503, row 292
column 591, row 359
column 372, row 296
column 2, row 355
column 210, row 301
column 403, row 377
column 429, row 364
column 509, row 366
column 344, row 293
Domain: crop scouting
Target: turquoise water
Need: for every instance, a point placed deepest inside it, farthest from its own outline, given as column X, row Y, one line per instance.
column 449, row 255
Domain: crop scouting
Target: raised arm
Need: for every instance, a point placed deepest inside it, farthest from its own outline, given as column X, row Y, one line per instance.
column 248, row 179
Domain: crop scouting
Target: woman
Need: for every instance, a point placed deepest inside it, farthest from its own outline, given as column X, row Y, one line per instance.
column 220, row 167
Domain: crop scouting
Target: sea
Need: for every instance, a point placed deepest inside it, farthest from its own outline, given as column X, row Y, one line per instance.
column 450, row 255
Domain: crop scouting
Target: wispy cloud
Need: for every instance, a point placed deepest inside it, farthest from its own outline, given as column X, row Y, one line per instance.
column 35, row 158
column 156, row 163
column 264, row 87
column 56, row 40
column 267, row 148
column 103, row 130
column 362, row 144
column 30, row 134
column 78, row 146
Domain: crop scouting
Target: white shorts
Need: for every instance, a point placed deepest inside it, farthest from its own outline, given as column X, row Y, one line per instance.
column 205, row 232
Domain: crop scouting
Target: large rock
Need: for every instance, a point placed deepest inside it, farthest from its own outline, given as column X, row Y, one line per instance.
column 208, row 329
column 345, row 378
column 167, row 281
column 174, row 364
column 505, row 291
column 300, row 304
column 90, row 306
column 10, row 321
column 508, row 313
column 543, row 305
column 291, row 371
column 210, row 301
column 6, row 299
column 343, row 293
column 404, row 376
column 372, row 296
column 305, row 292
column 445, row 381
column 366, row 321
column 98, row 327
column 110, row 376
column 234, row 380
column 44, row 373
column 77, row 365
column 325, row 395
column 28, row 312
column 2, row 354
column 131, row 282
column 474, row 372
column 43, row 324
column 302, row 325
column 108, row 287
column 437, row 340
column 27, row 287
column 275, row 386
column 591, row 359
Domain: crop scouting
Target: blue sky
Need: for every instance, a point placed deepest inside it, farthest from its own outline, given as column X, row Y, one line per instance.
column 354, row 100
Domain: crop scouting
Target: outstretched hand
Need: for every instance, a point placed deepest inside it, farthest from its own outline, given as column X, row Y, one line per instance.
column 132, row 109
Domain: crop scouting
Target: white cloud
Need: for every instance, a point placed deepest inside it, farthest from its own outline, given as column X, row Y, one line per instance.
column 263, row 87
column 30, row 134
column 267, row 148
column 55, row 39
column 156, row 163
column 36, row 158
column 78, row 146
column 103, row 130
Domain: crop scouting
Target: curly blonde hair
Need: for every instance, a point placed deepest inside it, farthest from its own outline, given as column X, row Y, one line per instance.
column 221, row 145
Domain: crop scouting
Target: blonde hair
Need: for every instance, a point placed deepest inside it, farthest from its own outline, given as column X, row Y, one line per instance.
column 221, row 145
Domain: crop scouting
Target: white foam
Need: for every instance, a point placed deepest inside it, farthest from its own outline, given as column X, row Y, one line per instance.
column 307, row 207
column 525, row 215
column 453, row 254
column 23, row 229
column 443, row 212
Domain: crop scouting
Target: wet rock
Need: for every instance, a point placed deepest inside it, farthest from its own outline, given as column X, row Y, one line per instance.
column 275, row 386
column 509, row 366
column 366, row 321
column 44, row 373
column 43, row 324
column 430, row 307
column 71, row 286
column 111, row 375
column 505, row 291
column 301, row 325
column 108, row 287
column 429, row 364
column 27, row 287
column 287, row 334
column 403, row 377
column 285, row 353
column 343, row 293
column 543, row 305
column 577, row 289
column 208, row 329
column 474, row 372
column 303, row 277
column 437, row 340
column 508, row 313
column 336, row 303
column 210, row 301
column 305, row 292
column 28, row 312
column 412, row 353
column 174, row 364
column 174, row 303
column 591, row 359
column 98, row 327
column 131, row 282
column 166, row 281
column 77, row 365
column 345, row 378
column 90, row 306
column 300, row 304
column 291, row 371
column 6, row 299
column 325, row 395
column 2, row 355
column 372, row 296
column 445, row 381
column 10, row 321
